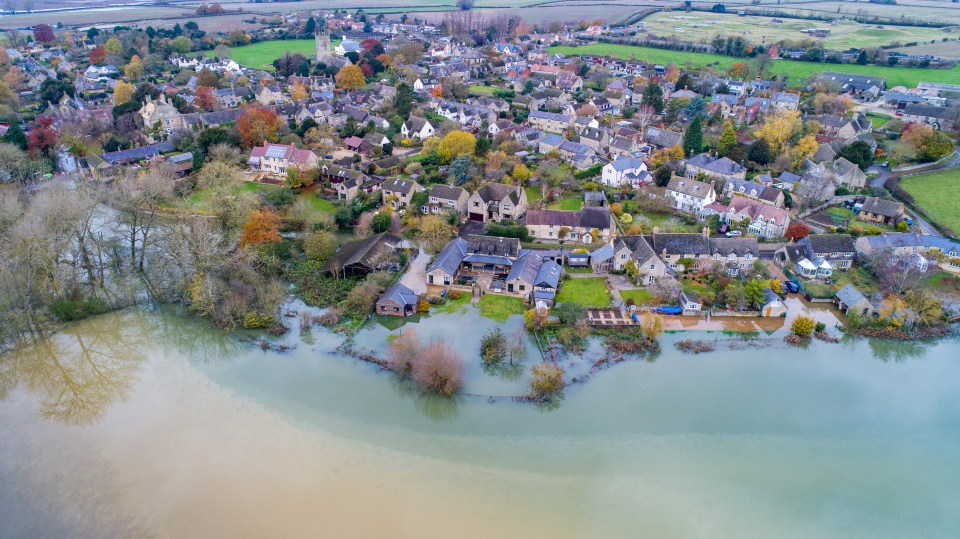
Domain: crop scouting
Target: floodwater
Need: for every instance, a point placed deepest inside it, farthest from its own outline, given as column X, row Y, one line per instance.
column 147, row 424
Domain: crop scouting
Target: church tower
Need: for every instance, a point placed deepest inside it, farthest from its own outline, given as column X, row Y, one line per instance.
column 323, row 42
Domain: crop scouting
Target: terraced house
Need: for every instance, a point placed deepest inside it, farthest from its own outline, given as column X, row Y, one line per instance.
column 589, row 225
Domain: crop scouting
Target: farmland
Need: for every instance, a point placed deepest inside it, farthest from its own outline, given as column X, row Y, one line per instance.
column 261, row 55
column 699, row 26
column 796, row 71
column 928, row 192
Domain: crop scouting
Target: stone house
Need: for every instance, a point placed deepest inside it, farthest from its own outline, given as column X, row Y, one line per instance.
column 690, row 195
column 497, row 201
column 884, row 212
column 589, row 225
column 399, row 192
column 442, row 198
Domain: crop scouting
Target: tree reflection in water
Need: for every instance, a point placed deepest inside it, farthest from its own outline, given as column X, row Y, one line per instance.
column 898, row 351
column 83, row 369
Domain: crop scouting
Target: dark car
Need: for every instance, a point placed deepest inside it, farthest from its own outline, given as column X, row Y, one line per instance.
column 791, row 286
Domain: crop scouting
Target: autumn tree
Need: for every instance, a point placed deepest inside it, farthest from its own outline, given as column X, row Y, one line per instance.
column 43, row 137
column 134, row 69
column 350, row 78
column 803, row 149
column 547, row 379
column 14, row 78
column 258, row 125
column 435, row 232
column 298, row 91
column 651, row 325
column 455, row 144
column 204, row 98
column 778, row 128
column 588, row 109
column 797, row 231
column 319, row 245
column 803, row 326
column 122, row 92
column 262, row 227
column 43, row 33
column 438, row 368
column 740, row 70
column 403, row 351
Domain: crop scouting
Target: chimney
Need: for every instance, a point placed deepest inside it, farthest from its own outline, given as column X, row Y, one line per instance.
column 706, row 232
column 656, row 230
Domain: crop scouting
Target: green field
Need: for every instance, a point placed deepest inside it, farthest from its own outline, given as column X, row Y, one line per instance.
column 570, row 203
column 844, row 34
column 935, row 194
column 878, row 120
column 261, row 55
column 589, row 292
column 482, row 89
column 796, row 71
column 500, row 308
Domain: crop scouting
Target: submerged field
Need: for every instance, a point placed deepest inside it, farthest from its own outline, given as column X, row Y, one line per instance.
column 699, row 26
column 795, row 70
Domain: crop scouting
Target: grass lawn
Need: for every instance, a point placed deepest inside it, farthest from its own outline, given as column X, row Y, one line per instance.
column 538, row 245
column 878, row 120
column 858, row 276
column 534, row 196
column 639, row 296
column 452, row 305
column 796, row 70
column 589, row 292
column 482, row 89
column 665, row 221
column 201, row 199
column 499, row 308
column 569, row 203
column 935, row 194
column 261, row 55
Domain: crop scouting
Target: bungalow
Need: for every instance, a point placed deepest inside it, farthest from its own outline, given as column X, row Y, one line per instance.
column 443, row 270
column 899, row 244
column 398, row 300
column 497, row 201
column 399, row 192
column 532, row 273
column 851, row 301
column 884, row 212
column 589, row 225
column 662, row 138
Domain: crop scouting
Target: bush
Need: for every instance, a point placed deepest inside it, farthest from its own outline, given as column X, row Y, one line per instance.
column 493, row 346
column 803, row 326
column 402, row 352
column 547, row 379
column 438, row 368
column 454, row 294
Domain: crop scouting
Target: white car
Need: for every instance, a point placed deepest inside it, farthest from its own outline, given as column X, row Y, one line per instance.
column 734, row 233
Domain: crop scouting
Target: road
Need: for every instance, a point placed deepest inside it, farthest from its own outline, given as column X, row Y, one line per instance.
column 920, row 223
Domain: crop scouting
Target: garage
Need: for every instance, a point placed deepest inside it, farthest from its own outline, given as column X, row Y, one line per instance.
column 476, row 217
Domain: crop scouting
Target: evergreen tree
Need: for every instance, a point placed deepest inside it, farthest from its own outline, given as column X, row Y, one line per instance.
column 862, row 58
column 759, row 152
column 653, row 96
column 728, row 141
column 16, row 136
column 403, row 101
column 310, row 27
column 693, row 138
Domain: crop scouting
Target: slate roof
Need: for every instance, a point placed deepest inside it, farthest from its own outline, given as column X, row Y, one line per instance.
column 399, row 186
column 450, row 257
column 662, row 137
column 879, row 206
column 400, row 294
column 361, row 251
column 690, row 187
column 527, row 266
column 831, row 243
column 695, row 244
column 737, row 246
column 493, row 245
column 446, row 192
column 594, row 217
column 548, row 275
column 137, row 154
column 498, row 191
column 849, row 295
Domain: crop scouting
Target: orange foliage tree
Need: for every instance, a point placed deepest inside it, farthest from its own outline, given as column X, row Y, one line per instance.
column 350, row 78
column 257, row 125
column 204, row 98
column 262, row 227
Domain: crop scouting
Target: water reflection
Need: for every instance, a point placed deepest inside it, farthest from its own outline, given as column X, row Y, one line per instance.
column 191, row 337
column 81, row 370
column 436, row 408
column 898, row 351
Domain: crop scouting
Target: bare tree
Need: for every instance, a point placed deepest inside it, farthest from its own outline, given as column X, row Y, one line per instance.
column 897, row 273
column 140, row 199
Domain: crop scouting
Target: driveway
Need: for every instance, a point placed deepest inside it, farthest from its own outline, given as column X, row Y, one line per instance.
column 416, row 276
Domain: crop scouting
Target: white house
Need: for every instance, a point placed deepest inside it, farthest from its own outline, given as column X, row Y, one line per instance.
column 690, row 195
column 418, row 128
column 625, row 171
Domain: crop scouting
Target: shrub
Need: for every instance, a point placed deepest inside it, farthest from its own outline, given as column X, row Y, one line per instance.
column 803, row 326
column 547, row 379
column 438, row 368
column 402, row 352
column 493, row 346
column 454, row 294
column 820, row 327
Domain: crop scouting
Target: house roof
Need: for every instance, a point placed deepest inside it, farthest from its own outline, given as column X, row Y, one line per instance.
column 400, row 294
column 450, row 257
column 548, row 275
column 137, row 154
column 493, row 245
column 831, row 243
column 400, row 186
column 362, row 251
column 498, row 191
column 879, row 206
column 527, row 266
column 737, row 246
column 695, row 244
column 849, row 295
column 446, row 192
column 690, row 187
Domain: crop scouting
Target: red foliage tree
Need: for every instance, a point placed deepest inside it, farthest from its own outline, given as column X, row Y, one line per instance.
column 98, row 56
column 369, row 44
column 366, row 69
column 257, row 125
column 262, row 227
column 204, row 98
column 216, row 8
column 797, row 231
column 43, row 137
column 42, row 33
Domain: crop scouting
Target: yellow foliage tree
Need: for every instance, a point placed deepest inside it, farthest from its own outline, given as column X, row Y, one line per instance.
column 804, row 148
column 779, row 127
column 350, row 78
column 134, row 70
column 455, row 144
column 122, row 92
column 521, row 173
column 298, row 91
column 665, row 155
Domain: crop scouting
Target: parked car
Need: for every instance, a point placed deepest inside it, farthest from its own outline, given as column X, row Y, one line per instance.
column 908, row 220
column 791, row 286
column 734, row 233
column 885, row 164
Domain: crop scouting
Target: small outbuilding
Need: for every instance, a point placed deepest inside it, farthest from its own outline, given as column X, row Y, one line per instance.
column 399, row 300
column 690, row 303
column 773, row 305
column 850, row 300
